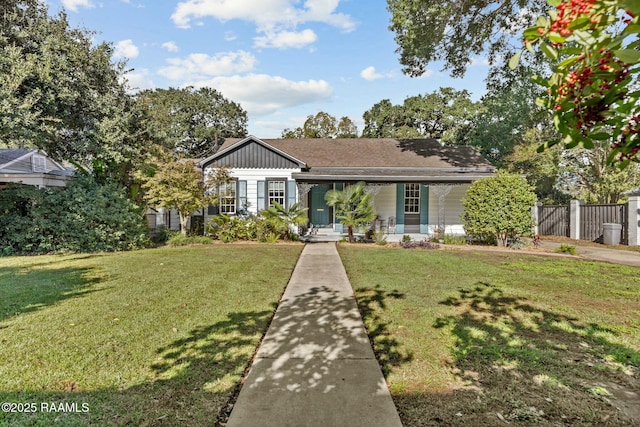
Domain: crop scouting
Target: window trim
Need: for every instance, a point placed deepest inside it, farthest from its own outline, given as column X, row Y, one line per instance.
column 415, row 187
column 225, row 208
column 38, row 163
column 268, row 197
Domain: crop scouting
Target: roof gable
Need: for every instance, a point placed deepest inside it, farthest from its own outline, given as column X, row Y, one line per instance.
column 252, row 153
column 22, row 161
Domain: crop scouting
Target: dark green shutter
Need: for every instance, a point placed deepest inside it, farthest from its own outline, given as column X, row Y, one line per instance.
column 213, row 210
column 261, row 195
column 399, row 208
column 424, row 209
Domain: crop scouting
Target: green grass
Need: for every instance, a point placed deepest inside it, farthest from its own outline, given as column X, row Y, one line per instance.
column 156, row 337
column 475, row 338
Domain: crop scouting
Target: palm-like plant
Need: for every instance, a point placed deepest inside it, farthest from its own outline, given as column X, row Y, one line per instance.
column 353, row 205
column 286, row 217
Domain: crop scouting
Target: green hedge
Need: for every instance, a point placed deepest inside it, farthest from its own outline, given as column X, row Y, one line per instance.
column 83, row 217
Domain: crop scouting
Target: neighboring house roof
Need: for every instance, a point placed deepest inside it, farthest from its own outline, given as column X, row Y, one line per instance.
column 368, row 159
column 31, row 167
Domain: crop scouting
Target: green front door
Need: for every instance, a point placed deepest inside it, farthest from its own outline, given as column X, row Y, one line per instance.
column 319, row 209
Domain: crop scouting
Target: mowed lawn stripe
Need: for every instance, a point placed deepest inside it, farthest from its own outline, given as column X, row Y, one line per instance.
column 480, row 338
column 158, row 336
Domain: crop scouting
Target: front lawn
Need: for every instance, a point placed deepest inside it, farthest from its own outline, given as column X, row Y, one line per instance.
column 156, row 337
column 486, row 339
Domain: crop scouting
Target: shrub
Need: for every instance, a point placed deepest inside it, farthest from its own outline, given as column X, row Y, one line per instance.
column 229, row 229
column 499, row 206
column 421, row 244
column 380, row 238
column 406, row 238
column 177, row 239
column 454, row 240
column 83, row 217
column 567, row 249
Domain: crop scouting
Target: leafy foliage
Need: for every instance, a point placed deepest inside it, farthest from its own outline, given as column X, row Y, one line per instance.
column 83, row 217
column 353, row 205
column 545, row 171
column 506, row 115
column 593, row 45
column 286, row 218
column 447, row 114
column 61, row 92
column 189, row 122
column 499, row 206
column 230, row 229
column 454, row 32
column 323, row 125
column 179, row 184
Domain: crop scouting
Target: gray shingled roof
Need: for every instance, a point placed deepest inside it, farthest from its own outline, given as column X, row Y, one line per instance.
column 376, row 153
column 9, row 154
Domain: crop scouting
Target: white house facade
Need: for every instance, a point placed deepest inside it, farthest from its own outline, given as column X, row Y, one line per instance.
column 418, row 185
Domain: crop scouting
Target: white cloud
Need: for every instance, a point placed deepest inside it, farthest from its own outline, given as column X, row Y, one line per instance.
column 230, row 36
column 275, row 18
column 370, row 74
column 73, row 5
column 286, row 39
column 138, row 80
column 126, row 49
column 170, row 46
column 261, row 94
column 200, row 66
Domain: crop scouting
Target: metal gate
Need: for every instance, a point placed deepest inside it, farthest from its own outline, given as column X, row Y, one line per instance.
column 553, row 220
column 593, row 216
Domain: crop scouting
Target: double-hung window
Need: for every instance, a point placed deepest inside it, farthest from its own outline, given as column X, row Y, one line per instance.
column 411, row 198
column 276, row 192
column 227, row 197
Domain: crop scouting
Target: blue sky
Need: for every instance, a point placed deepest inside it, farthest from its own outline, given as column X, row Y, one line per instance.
column 282, row 60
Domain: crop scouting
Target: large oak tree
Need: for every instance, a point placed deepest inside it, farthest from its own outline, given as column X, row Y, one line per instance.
column 61, row 92
column 191, row 122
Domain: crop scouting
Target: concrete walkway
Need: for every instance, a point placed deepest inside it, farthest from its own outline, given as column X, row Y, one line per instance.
column 315, row 366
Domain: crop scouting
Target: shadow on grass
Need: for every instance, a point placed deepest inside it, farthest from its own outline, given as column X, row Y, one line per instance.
column 371, row 302
column 525, row 365
column 25, row 290
column 193, row 379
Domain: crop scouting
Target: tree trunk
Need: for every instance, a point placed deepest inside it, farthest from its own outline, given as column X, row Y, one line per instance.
column 184, row 220
column 350, row 232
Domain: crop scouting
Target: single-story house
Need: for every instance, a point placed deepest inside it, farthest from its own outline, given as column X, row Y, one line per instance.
column 31, row 167
column 418, row 183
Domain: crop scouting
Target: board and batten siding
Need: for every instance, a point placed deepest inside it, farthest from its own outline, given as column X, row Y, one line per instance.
column 385, row 202
column 252, row 176
column 453, row 210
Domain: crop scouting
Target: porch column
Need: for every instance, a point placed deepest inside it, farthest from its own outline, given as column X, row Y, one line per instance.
column 633, row 210
column 303, row 191
column 442, row 191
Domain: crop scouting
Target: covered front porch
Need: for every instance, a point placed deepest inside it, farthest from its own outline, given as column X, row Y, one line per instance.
column 423, row 209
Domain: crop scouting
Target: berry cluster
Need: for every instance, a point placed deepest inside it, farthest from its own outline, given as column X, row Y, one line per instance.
column 589, row 105
column 630, row 132
column 569, row 11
